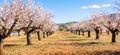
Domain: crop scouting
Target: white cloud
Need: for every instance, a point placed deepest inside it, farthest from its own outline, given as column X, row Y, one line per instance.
column 84, row 7
column 96, row 6
column 106, row 5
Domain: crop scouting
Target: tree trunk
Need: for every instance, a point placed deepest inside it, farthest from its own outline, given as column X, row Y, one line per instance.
column 38, row 33
column 100, row 31
column 117, row 33
column 108, row 32
column 1, row 46
column 28, row 39
column 79, row 32
column 82, row 33
column 97, row 34
column 47, row 34
column 18, row 33
column 113, row 37
column 89, row 33
column 71, row 31
column 43, row 34
column 76, row 32
column 50, row 33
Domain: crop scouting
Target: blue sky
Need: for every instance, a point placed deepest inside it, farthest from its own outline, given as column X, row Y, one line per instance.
column 74, row 10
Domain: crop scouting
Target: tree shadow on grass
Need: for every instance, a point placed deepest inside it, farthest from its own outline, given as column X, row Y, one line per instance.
column 107, row 52
column 77, row 39
column 9, row 45
column 31, row 38
column 73, row 37
column 85, row 44
column 14, row 45
column 76, row 44
column 16, row 41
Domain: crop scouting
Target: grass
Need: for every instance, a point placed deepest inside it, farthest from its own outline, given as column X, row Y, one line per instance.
column 62, row 43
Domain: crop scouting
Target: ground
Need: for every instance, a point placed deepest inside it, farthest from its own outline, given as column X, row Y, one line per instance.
column 62, row 43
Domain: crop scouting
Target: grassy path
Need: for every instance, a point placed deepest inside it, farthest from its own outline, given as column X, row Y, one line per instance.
column 61, row 43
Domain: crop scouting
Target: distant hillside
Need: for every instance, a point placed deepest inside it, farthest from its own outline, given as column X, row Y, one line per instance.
column 65, row 24
column 69, row 23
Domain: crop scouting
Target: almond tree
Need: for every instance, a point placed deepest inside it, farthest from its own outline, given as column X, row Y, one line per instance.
column 95, row 23
column 75, row 28
column 52, row 28
column 44, row 16
column 117, row 7
column 45, row 22
column 30, row 17
column 38, row 34
column 81, row 27
column 11, row 13
column 112, row 23
column 47, row 26
column 68, row 28
column 87, row 26
column 79, row 24
column 33, row 19
column 84, row 26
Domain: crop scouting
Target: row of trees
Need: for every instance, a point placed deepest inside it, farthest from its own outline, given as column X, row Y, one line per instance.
column 98, row 22
column 17, row 15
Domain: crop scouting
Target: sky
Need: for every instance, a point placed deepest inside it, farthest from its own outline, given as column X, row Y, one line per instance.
column 74, row 10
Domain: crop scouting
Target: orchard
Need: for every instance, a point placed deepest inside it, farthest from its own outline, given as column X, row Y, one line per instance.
column 27, row 28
